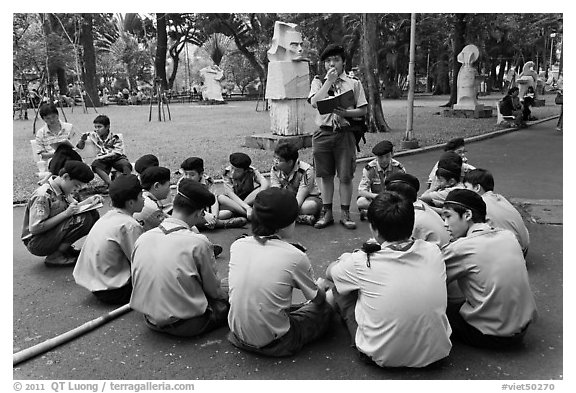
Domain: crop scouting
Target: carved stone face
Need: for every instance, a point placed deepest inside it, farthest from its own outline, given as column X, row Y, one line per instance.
column 295, row 47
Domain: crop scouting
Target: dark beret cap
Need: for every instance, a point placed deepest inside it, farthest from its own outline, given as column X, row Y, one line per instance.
column 275, row 208
column 467, row 199
column 333, row 50
column 382, row 148
column 154, row 174
column 450, row 157
column 193, row 164
column 144, row 162
column 454, row 144
column 77, row 170
column 240, row 160
column 400, row 177
column 124, row 185
column 195, row 194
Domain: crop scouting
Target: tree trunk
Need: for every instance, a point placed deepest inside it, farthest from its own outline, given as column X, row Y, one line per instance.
column 175, row 62
column 442, row 85
column 376, row 120
column 90, row 83
column 161, row 48
column 458, row 45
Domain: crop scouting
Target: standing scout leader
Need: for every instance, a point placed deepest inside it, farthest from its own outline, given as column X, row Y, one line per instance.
column 333, row 144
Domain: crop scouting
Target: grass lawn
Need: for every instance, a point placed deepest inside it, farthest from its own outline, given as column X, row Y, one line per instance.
column 213, row 132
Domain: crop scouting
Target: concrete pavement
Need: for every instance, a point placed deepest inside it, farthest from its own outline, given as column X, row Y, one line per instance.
column 527, row 164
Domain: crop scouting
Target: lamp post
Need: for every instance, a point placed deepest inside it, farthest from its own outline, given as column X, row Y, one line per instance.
column 552, row 36
column 409, row 141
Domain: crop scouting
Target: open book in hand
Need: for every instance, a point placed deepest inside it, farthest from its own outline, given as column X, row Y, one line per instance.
column 59, row 143
column 344, row 100
column 97, row 204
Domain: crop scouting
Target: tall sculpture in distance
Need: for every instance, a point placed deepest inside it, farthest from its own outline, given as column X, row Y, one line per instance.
column 466, row 83
column 212, row 88
column 288, row 81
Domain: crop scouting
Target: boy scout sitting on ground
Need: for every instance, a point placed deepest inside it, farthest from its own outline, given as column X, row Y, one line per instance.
column 288, row 172
column 448, row 177
column 374, row 175
column 458, row 146
column 499, row 212
column 264, row 270
column 193, row 168
column 393, row 297
column 155, row 181
column 111, row 154
column 51, row 220
column 174, row 271
column 144, row 162
column 242, row 183
column 491, row 272
column 104, row 262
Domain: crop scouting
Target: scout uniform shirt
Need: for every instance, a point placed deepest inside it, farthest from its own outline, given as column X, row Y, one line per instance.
column 244, row 186
column 151, row 212
column 491, row 271
column 104, row 261
column 301, row 177
column 342, row 84
column 500, row 213
column 173, row 273
column 401, row 306
column 373, row 176
column 45, row 137
column 47, row 201
column 428, row 225
column 113, row 143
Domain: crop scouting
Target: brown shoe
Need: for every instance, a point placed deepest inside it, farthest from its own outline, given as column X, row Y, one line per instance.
column 325, row 220
column 363, row 214
column 234, row 222
column 347, row 221
column 58, row 259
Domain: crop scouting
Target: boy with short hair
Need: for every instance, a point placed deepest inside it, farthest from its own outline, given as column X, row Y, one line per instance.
column 193, row 168
column 242, row 182
column 374, row 175
column 448, row 177
column 264, row 270
column 428, row 225
column 288, row 172
column 458, row 146
column 111, row 154
column 174, row 271
column 51, row 220
column 491, row 272
column 393, row 298
column 104, row 262
column 155, row 181
column 52, row 132
column 144, row 162
column 500, row 213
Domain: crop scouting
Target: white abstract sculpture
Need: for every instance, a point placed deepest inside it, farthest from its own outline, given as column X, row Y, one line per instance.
column 288, row 81
column 466, row 83
column 212, row 88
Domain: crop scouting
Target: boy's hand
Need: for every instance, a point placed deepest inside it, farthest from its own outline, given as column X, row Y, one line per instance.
column 72, row 209
column 331, row 75
column 210, row 220
column 84, row 137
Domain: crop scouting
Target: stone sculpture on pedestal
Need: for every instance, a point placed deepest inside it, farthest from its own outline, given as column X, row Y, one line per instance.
column 466, row 83
column 212, row 88
column 288, row 81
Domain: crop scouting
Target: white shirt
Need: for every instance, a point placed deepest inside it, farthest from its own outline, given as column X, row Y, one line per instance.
column 401, row 307
column 500, row 213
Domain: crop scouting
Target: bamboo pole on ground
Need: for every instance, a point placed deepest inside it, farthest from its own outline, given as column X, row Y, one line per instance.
column 47, row 345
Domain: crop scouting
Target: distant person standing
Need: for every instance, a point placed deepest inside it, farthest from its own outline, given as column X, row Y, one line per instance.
column 333, row 144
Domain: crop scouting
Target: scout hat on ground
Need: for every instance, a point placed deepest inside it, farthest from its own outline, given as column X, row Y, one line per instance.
column 382, row 148
column 240, row 160
column 333, row 50
column 124, row 188
column 193, row 194
column 77, row 170
column 154, row 174
column 468, row 199
column 144, row 162
column 193, row 164
column 275, row 208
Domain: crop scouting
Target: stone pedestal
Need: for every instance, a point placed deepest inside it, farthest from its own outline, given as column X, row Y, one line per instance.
column 269, row 141
column 287, row 116
column 479, row 113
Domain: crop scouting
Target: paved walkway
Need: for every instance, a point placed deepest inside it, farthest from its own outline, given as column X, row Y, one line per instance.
column 527, row 164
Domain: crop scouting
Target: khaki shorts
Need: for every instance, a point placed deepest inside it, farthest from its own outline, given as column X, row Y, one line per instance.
column 334, row 153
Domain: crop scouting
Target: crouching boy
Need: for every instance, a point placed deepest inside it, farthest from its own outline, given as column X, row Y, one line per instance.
column 264, row 270
column 51, row 220
column 491, row 272
column 174, row 270
column 393, row 297
column 104, row 262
